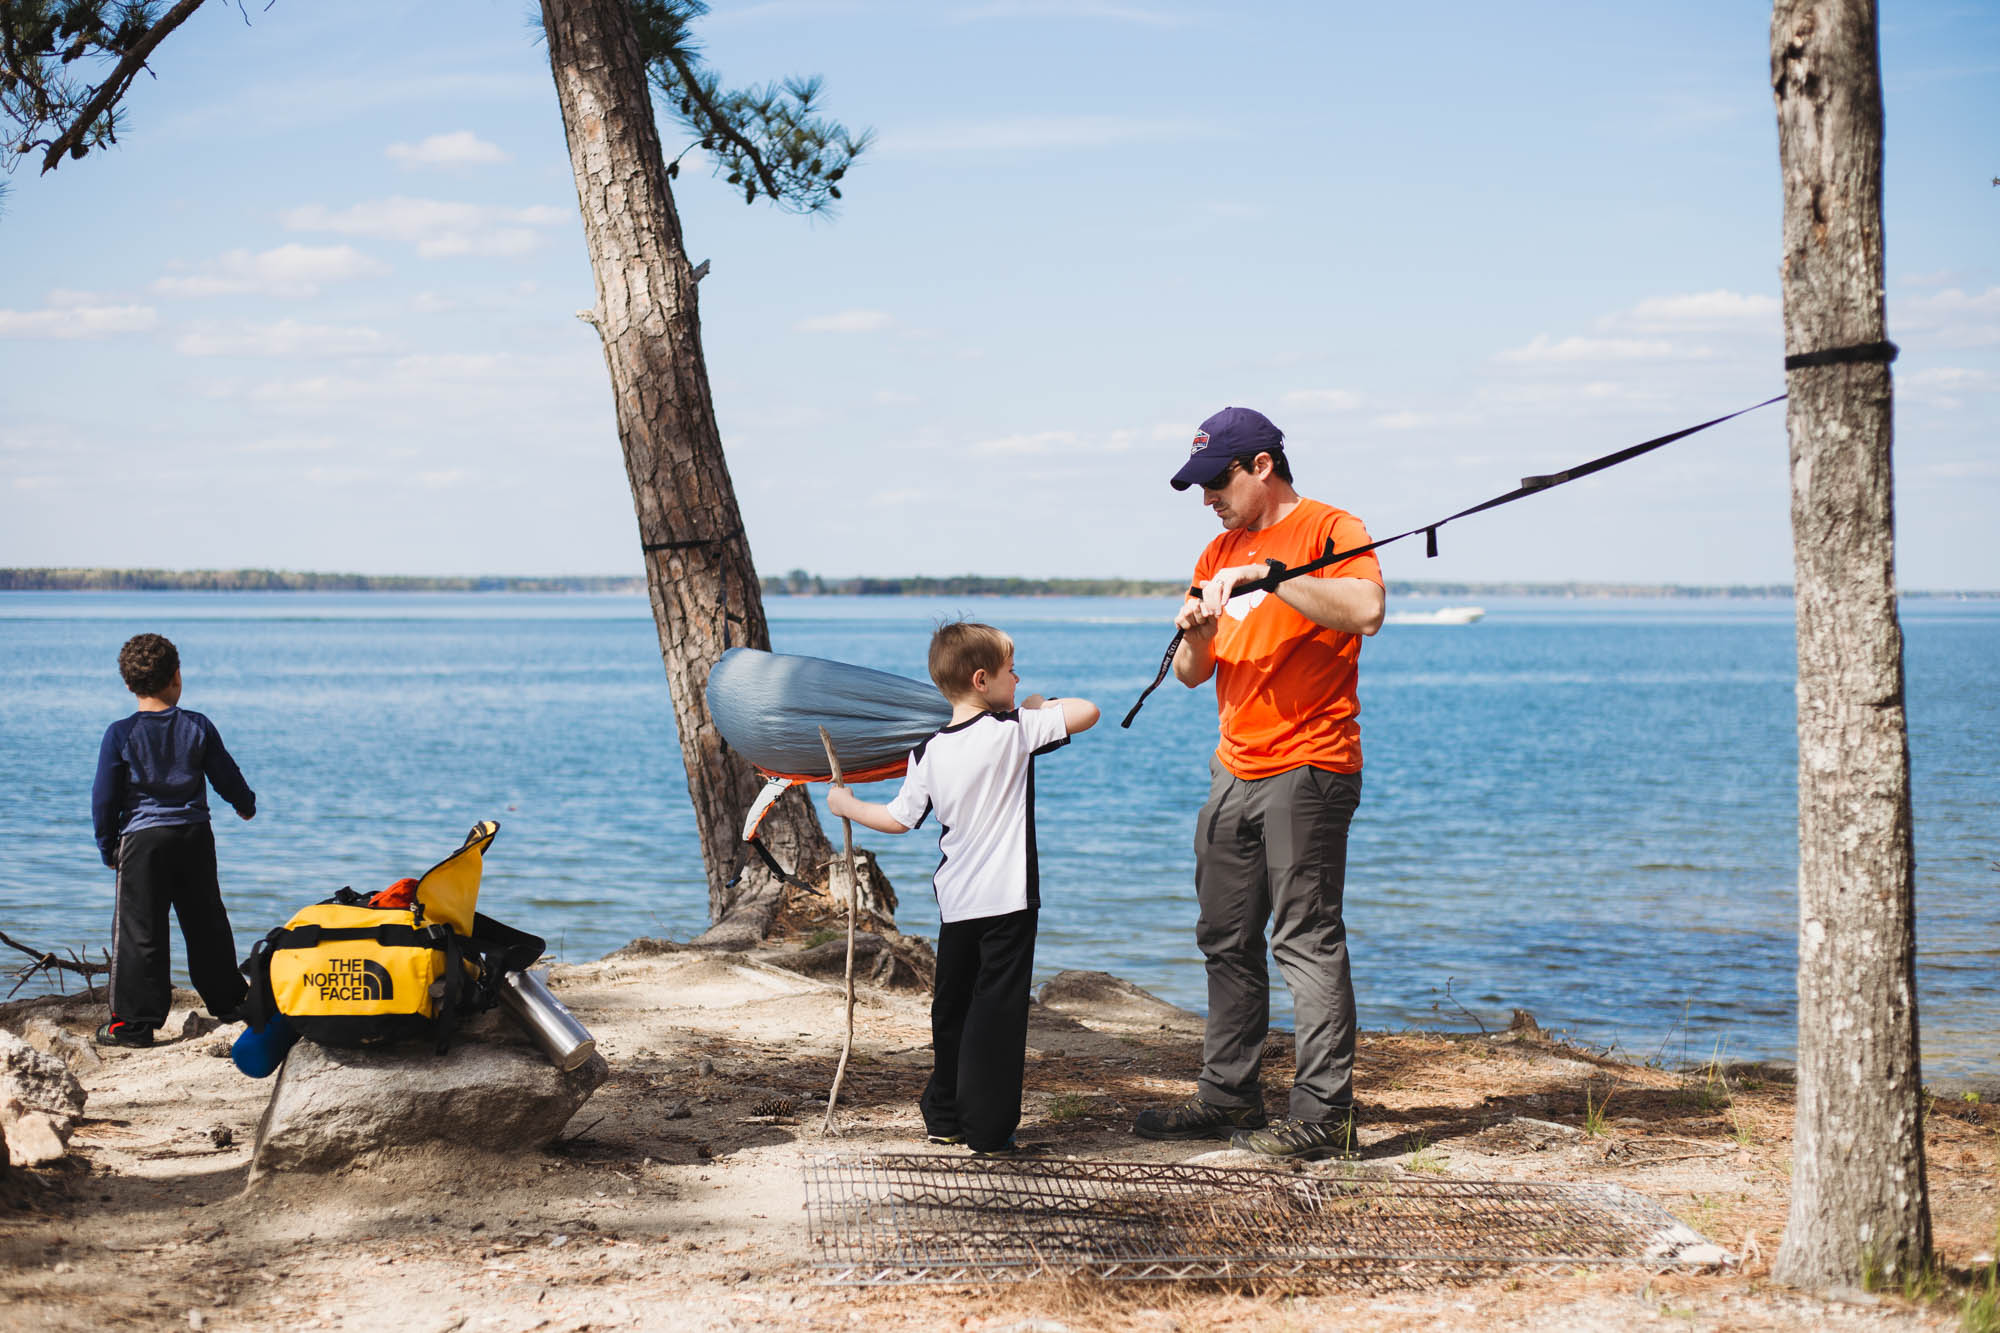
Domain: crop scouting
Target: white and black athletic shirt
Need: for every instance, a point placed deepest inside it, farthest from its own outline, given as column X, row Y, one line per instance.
column 979, row 775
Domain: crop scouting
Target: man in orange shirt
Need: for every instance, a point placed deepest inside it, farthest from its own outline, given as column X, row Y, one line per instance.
column 1271, row 843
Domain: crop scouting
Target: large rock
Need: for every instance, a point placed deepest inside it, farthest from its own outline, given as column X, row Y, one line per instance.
column 38, row 1081
column 1102, row 996
column 332, row 1107
column 40, row 1101
column 51, row 1038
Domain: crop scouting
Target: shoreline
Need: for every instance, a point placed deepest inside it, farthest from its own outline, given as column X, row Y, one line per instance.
column 68, row 579
column 674, row 1199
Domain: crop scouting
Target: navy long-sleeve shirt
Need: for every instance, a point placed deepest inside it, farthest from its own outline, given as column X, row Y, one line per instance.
column 153, row 770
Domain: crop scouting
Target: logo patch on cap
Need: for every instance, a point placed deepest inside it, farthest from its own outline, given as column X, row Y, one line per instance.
column 1200, row 443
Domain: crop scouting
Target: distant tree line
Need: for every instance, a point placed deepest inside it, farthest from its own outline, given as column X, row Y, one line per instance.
column 799, row 583
column 275, row 580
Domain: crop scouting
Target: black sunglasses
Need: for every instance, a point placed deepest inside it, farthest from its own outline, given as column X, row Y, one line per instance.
column 1221, row 479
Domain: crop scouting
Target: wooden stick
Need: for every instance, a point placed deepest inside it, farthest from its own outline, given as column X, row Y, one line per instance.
column 853, row 899
column 46, row 961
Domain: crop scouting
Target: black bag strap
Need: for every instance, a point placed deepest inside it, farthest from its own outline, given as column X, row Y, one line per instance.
column 390, row 935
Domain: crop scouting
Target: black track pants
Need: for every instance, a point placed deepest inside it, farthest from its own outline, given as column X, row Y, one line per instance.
column 979, row 1027
column 159, row 868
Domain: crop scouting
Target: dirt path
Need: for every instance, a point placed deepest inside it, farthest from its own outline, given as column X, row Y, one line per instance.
column 677, row 1201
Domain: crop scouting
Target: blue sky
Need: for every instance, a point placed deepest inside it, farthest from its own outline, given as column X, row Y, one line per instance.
column 317, row 309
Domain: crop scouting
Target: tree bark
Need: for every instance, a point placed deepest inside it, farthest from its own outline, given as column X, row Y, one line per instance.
column 699, row 575
column 1859, row 1205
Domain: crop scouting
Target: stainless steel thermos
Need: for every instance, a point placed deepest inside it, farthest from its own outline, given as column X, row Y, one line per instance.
column 554, row 1028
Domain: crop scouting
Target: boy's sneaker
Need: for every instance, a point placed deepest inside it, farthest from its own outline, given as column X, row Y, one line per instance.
column 1196, row 1119
column 945, row 1139
column 1302, row 1140
column 120, row 1033
column 1012, row 1148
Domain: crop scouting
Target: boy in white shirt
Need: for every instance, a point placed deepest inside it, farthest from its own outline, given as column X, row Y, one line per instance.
column 977, row 772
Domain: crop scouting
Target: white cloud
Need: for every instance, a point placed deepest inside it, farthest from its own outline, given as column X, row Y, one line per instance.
column 894, row 398
column 461, row 148
column 1958, row 317
column 1035, row 442
column 437, row 228
column 290, row 444
column 288, row 270
column 845, row 321
column 1716, row 310
column 69, row 317
column 286, row 338
column 1407, row 420
column 1042, row 10
column 1941, row 385
column 1047, row 442
column 1322, row 400
column 1545, row 349
column 1035, row 133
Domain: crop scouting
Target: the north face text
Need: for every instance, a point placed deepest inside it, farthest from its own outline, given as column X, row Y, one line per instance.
column 352, row 979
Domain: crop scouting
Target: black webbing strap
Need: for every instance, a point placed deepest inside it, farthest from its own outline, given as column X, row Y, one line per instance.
column 1529, row 486
column 1884, row 352
column 771, row 863
column 390, row 936
column 722, row 569
column 649, row 547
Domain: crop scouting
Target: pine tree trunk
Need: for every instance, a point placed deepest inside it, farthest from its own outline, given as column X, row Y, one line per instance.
column 1859, row 1205
column 699, row 574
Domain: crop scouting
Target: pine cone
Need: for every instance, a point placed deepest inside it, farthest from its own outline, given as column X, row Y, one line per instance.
column 775, row 1104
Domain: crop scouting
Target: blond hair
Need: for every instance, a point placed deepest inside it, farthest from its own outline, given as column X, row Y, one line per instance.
column 963, row 647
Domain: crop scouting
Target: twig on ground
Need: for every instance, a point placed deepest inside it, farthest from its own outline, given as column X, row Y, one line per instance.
column 853, row 900
column 46, row 961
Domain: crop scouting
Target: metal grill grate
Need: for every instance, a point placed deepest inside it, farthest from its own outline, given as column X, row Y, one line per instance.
column 903, row 1218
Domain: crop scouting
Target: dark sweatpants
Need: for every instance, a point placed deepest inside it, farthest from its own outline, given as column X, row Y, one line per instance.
column 158, row 868
column 1275, row 850
column 979, row 1028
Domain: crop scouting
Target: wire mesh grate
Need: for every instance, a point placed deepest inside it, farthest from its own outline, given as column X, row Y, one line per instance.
column 905, row 1218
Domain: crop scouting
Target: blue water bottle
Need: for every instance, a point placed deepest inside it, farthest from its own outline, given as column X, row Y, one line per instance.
column 259, row 1051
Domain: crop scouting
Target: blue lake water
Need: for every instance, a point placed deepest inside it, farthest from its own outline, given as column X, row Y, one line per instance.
column 1584, row 808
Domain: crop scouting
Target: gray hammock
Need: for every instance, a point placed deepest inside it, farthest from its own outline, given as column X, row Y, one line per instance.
column 770, row 707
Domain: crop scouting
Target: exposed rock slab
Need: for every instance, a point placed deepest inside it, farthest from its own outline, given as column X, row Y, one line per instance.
column 333, row 1107
column 1102, row 996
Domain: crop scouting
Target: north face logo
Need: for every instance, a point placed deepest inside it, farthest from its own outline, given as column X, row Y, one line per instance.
column 353, row 979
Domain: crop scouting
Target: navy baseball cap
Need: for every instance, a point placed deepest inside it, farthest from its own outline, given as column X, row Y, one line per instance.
column 1232, row 433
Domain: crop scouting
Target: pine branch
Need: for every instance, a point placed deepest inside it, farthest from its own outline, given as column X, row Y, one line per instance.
column 721, row 123
column 70, row 141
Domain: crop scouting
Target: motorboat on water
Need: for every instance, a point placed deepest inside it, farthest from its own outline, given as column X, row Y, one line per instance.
column 1444, row 615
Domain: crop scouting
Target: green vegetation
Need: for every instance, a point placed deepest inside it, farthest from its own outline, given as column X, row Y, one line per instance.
column 1068, row 1106
column 799, row 583
column 274, row 580
column 1593, row 1113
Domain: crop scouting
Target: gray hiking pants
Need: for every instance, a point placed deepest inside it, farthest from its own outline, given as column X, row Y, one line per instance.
column 1274, row 850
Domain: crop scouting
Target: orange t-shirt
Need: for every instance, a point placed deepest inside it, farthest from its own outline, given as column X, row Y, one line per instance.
column 1283, row 685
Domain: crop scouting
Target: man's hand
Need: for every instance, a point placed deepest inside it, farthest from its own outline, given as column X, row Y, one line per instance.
column 1217, row 590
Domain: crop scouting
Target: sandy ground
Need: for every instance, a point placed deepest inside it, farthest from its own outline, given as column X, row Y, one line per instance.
column 677, row 1200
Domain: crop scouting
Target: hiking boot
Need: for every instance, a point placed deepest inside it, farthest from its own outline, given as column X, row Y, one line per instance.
column 120, row 1033
column 1302, row 1140
column 1196, row 1119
